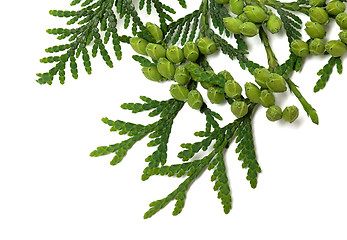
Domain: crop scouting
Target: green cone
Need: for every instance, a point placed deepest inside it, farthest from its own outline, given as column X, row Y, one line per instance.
column 195, row 100
column 276, row 83
column 214, row 96
column 139, row 45
column 335, row 48
column 166, row 68
column 290, row 114
column 239, row 109
column 182, row 75
column 174, row 54
column 341, row 20
column 316, row 46
column 317, row 3
column 236, row 6
column 343, row 36
column 335, row 7
column 319, row 15
column 152, row 74
column 274, row 24
column 252, row 92
column 226, row 75
column 191, row 51
column 232, row 89
column 155, row 31
column 232, row 24
column 299, row 48
column 179, row 92
column 261, row 76
column 206, row 46
column 155, row 51
column 249, row 29
column 267, row 98
column 255, row 13
column 315, row 30
column 274, row 113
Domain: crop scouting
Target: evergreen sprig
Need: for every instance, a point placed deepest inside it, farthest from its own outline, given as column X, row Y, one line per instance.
column 291, row 23
column 159, row 131
column 183, row 29
column 326, row 72
column 218, row 12
column 219, row 139
column 94, row 18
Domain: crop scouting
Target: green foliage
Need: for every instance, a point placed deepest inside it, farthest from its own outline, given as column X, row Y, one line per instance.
column 326, row 71
column 292, row 63
column 144, row 62
column 219, row 139
column 159, row 131
column 97, row 23
column 291, row 23
column 218, row 12
column 183, row 29
column 200, row 75
column 246, row 151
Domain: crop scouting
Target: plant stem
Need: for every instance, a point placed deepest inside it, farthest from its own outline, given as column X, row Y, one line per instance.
column 273, row 64
column 272, row 60
column 292, row 6
column 204, row 21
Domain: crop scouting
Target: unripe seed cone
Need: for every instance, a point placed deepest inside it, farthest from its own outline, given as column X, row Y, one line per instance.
column 255, row 13
column 155, row 31
column 226, row 75
column 206, row 46
column 290, row 114
column 152, row 74
column 139, row 45
column 317, row 3
column 274, row 113
column 252, row 92
column 236, row 6
column 243, row 17
column 206, row 85
column 232, row 24
column 267, row 98
column 239, row 109
column 249, row 29
column 232, row 89
column 276, row 83
column 319, row 15
column 174, row 54
column 166, row 68
column 335, row 48
column 341, row 20
column 343, row 36
column 179, row 92
column 214, row 96
column 315, row 30
column 274, row 24
column 299, row 48
column 155, row 51
column 335, row 7
column 191, row 51
column 261, row 76
column 182, row 75
column 195, row 100
column 316, row 46
column 222, row 1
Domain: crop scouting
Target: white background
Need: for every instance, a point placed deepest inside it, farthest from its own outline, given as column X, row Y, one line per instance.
column 51, row 189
